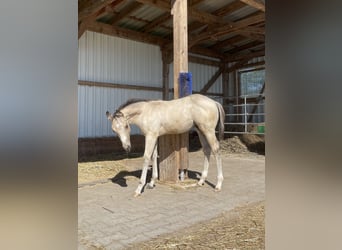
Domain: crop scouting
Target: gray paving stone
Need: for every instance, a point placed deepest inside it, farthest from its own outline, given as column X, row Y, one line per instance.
column 110, row 217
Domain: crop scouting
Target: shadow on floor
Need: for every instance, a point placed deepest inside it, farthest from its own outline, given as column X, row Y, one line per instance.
column 121, row 177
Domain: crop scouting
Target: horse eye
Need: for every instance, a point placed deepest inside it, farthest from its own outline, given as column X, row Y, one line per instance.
column 126, row 127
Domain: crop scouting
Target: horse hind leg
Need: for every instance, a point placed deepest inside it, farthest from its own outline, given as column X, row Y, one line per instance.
column 215, row 148
column 206, row 151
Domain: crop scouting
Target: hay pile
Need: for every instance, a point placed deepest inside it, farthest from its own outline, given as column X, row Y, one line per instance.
column 240, row 228
column 233, row 145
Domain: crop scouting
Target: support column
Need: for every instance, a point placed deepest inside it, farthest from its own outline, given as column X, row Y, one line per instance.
column 173, row 149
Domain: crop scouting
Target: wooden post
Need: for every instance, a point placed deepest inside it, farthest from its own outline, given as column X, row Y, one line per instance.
column 166, row 59
column 173, row 149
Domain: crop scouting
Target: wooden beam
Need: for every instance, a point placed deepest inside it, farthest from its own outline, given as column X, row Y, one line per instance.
column 228, row 42
column 212, row 80
column 125, row 33
column 200, row 16
column 82, row 27
column 244, row 47
column 250, row 65
column 193, row 3
column 173, row 149
column 156, row 22
column 118, row 86
column 98, row 11
column 204, row 17
column 229, row 8
column 226, row 29
column 166, row 60
column 180, row 41
column 208, row 18
column 201, row 60
column 256, row 4
column 163, row 5
column 125, row 12
column 206, row 52
column 248, row 56
column 90, row 7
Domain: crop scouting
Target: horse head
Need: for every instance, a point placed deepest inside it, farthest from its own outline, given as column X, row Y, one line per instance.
column 121, row 127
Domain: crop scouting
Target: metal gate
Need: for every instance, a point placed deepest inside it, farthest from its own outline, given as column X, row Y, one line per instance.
column 245, row 115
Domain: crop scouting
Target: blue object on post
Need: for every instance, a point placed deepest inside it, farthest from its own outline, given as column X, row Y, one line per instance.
column 185, row 84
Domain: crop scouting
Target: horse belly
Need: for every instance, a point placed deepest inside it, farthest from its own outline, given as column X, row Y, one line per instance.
column 176, row 127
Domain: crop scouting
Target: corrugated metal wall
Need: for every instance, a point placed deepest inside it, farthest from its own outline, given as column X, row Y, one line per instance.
column 104, row 58
column 93, row 102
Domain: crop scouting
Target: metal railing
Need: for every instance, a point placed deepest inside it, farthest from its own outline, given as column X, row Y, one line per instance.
column 245, row 117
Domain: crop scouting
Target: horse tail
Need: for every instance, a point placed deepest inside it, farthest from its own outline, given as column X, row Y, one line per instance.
column 222, row 116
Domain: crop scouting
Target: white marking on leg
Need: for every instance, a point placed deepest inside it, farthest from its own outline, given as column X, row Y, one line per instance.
column 154, row 167
column 150, row 143
column 219, row 172
column 206, row 151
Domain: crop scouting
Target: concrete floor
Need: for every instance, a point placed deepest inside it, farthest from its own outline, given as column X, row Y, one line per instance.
column 111, row 218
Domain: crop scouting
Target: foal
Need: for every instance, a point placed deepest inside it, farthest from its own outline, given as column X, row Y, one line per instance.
column 156, row 118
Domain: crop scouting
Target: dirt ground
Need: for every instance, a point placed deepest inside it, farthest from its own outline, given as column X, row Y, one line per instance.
column 241, row 228
column 102, row 167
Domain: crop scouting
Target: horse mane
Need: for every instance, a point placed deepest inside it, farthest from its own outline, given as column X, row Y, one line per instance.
column 129, row 102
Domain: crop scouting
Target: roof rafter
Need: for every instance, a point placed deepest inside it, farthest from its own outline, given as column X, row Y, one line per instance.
column 256, row 4
column 126, row 11
column 229, row 8
column 226, row 29
column 158, row 21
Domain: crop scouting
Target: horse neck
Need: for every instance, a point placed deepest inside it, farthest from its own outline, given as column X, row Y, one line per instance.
column 132, row 112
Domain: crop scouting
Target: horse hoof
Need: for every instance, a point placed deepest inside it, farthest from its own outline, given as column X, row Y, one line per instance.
column 136, row 195
column 150, row 186
column 217, row 189
column 200, row 184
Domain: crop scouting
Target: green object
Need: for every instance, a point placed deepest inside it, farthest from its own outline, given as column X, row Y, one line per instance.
column 261, row 129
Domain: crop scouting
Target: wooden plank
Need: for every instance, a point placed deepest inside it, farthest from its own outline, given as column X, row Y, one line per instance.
column 248, row 56
column 156, row 22
column 167, row 158
column 228, row 42
column 90, row 7
column 134, row 87
column 201, row 60
column 249, row 65
column 180, row 41
column 125, row 33
column 119, row 86
column 180, row 64
column 125, row 12
column 226, row 29
column 229, row 8
column 173, row 149
column 166, row 59
column 256, row 4
column 244, row 47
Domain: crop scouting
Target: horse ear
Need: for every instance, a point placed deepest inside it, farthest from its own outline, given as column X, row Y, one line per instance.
column 109, row 116
column 118, row 114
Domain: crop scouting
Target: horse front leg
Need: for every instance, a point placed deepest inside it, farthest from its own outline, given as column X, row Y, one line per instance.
column 154, row 167
column 150, row 143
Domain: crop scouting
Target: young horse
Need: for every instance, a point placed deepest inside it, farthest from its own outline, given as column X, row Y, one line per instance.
column 156, row 118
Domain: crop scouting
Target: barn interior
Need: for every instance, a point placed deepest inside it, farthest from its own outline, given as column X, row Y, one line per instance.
column 126, row 51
